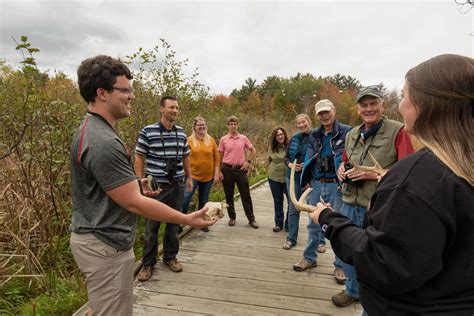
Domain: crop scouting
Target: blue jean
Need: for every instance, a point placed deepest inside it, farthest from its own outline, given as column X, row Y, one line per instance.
column 330, row 194
column 293, row 213
column 204, row 188
column 171, row 195
column 356, row 214
column 278, row 192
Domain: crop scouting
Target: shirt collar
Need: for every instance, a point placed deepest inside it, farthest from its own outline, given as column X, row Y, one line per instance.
column 233, row 136
column 163, row 128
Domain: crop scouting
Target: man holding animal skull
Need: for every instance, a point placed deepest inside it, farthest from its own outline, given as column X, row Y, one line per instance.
column 105, row 193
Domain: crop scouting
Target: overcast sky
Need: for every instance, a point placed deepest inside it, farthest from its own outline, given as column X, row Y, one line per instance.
column 374, row 41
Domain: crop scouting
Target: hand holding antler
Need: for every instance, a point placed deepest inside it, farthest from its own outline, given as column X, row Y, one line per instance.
column 364, row 172
column 301, row 204
column 319, row 208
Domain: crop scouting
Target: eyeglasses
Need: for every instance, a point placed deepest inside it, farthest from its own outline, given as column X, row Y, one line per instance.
column 128, row 91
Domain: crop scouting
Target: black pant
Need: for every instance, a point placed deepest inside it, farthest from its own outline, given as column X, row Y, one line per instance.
column 231, row 177
column 172, row 195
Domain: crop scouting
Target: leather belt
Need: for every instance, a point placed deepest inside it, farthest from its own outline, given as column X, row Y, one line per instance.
column 327, row 180
column 232, row 166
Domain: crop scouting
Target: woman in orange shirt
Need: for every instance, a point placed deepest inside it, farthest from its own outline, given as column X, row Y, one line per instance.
column 204, row 159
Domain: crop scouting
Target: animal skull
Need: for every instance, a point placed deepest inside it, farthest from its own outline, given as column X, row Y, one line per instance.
column 215, row 209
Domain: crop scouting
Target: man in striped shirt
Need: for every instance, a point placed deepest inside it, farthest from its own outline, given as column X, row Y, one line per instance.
column 162, row 151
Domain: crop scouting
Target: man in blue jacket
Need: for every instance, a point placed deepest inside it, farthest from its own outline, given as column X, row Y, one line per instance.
column 324, row 154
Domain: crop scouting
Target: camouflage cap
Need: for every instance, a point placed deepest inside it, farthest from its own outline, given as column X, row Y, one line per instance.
column 373, row 91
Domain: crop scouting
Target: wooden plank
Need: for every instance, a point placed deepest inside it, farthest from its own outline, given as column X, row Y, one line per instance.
column 232, row 301
column 161, row 304
column 242, row 271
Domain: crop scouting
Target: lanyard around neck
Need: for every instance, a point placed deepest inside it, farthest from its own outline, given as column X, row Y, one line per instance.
column 366, row 141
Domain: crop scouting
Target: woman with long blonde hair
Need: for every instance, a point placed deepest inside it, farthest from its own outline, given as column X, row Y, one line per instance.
column 415, row 254
column 296, row 150
column 204, row 160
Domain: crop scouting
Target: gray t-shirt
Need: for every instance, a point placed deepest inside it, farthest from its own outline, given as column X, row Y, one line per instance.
column 100, row 162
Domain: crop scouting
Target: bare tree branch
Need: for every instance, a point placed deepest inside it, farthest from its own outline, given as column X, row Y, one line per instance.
column 464, row 6
column 9, row 151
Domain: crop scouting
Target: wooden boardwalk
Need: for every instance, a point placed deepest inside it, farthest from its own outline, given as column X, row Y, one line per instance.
column 242, row 271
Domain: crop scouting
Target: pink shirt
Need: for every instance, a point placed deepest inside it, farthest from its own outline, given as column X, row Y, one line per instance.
column 232, row 148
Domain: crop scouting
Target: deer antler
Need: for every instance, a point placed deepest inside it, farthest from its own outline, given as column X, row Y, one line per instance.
column 376, row 168
column 301, row 204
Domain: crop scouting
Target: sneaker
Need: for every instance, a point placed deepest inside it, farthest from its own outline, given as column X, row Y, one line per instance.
column 174, row 265
column 145, row 273
column 231, row 222
column 343, row 299
column 253, row 224
column 339, row 276
column 304, row 265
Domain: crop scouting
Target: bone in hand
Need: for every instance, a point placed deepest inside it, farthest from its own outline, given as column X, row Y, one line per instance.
column 301, row 204
column 215, row 210
column 375, row 168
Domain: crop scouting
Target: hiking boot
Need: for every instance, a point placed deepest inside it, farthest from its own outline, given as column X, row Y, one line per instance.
column 253, row 224
column 304, row 265
column 339, row 276
column 145, row 273
column 287, row 245
column 174, row 265
column 343, row 299
column 322, row 248
column 276, row 229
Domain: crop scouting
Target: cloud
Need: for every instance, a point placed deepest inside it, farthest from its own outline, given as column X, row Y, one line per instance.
column 374, row 41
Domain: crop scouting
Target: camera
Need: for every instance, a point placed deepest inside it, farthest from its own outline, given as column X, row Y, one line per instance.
column 172, row 167
column 325, row 164
column 348, row 166
column 299, row 158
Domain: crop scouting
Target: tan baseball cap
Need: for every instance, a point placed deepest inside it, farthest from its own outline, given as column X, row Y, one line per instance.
column 323, row 105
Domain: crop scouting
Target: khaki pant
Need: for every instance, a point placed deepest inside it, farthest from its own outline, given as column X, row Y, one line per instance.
column 108, row 272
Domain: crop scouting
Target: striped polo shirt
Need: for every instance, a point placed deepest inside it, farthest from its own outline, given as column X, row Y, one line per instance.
column 158, row 145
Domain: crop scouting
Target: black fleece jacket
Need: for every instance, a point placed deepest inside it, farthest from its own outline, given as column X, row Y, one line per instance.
column 415, row 254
